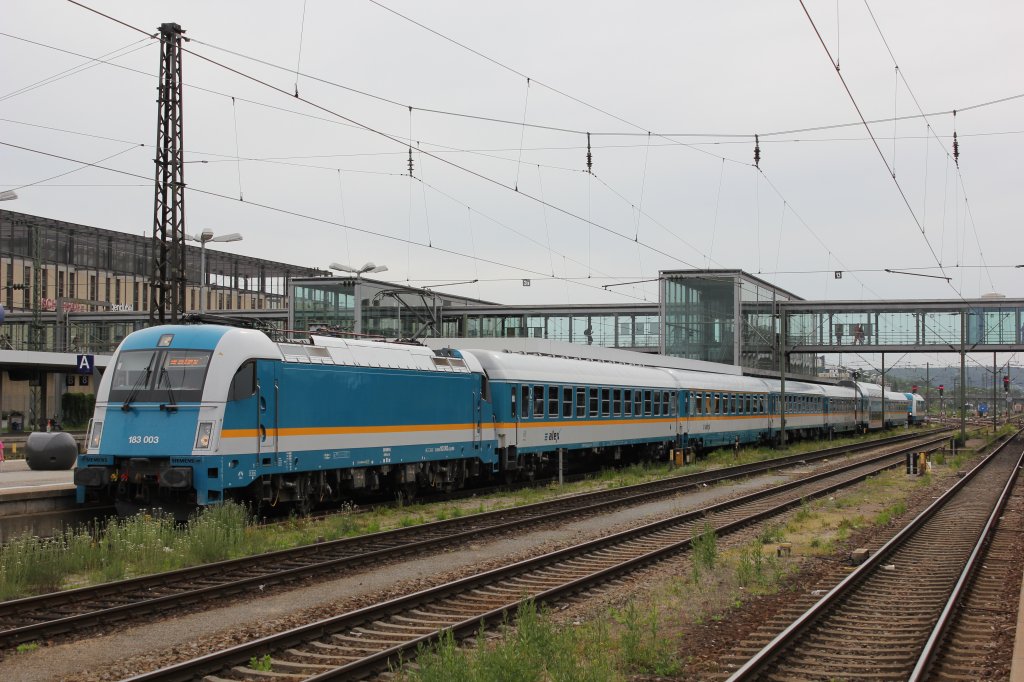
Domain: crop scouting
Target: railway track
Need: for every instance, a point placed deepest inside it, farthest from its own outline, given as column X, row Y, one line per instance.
column 365, row 641
column 974, row 637
column 906, row 613
column 71, row 611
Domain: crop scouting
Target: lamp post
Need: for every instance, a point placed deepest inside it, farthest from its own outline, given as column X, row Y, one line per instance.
column 203, row 237
column 358, row 272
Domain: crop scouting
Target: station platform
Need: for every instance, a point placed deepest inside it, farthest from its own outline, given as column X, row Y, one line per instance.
column 37, row 502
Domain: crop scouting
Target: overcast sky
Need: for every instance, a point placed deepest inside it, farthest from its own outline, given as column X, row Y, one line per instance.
column 700, row 77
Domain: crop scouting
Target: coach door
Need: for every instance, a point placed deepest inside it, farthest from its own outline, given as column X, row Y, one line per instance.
column 267, row 413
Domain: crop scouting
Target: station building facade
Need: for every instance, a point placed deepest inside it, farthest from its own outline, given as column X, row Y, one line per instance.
column 69, row 288
column 73, row 288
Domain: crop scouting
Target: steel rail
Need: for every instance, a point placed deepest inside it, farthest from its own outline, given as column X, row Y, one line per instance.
column 351, row 551
column 240, row 654
column 757, row 664
column 963, row 584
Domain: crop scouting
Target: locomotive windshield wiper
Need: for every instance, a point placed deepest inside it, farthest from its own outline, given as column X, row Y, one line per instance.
column 173, row 406
column 142, row 381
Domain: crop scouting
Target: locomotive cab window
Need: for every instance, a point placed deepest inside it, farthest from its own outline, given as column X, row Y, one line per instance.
column 243, row 384
column 160, row 376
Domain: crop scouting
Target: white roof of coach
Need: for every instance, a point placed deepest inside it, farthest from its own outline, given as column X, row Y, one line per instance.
column 870, row 390
column 718, row 382
column 795, row 387
column 536, row 368
column 837, row 391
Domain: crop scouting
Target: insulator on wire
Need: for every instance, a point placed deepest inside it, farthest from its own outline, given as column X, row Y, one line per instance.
column 757, row 153
column 410, row 161
column 956, row 144
column 590, row 157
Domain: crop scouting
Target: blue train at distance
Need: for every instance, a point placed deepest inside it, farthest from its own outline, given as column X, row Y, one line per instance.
column 190, row 415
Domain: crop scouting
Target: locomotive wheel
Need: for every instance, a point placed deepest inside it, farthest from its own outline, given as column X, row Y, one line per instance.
column 406, row 492
column 303, row 505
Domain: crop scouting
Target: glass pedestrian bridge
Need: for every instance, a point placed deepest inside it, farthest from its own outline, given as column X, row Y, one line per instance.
column 934, row 326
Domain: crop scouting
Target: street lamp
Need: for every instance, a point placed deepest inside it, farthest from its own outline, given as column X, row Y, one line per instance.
column 203, row 237
column 359, row 272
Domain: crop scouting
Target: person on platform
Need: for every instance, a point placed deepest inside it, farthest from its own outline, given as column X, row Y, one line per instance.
column 858, row 335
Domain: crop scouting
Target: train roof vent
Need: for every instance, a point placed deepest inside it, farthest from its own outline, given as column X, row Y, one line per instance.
column 296, row 352
column 293, row 352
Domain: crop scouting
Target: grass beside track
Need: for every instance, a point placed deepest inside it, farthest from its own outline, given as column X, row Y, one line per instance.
column 649, row 634
column 146, row 544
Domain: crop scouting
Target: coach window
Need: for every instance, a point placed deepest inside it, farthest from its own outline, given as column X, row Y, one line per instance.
column 698, row 403
column 538, row 401
column 627, row 402
column 567, row 402
column 668, row 405
column 243, row 384
column 606, row 402
column 581, row 401
column 617, row 402
column 656, row 403
column 553, row 401
column 593, row 402
column 638, row 402
column 524, row 403
column 647, row 403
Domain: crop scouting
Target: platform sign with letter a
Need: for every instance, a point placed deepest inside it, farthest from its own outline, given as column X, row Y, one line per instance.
column 84, row 364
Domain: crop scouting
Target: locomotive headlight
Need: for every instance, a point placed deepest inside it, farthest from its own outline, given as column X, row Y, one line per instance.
column 94, row 434
column 204, row 435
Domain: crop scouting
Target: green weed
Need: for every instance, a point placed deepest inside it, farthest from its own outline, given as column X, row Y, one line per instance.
column 705, row 550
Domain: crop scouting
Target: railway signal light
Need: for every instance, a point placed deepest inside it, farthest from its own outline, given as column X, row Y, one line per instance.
column 1006, row 383
column 913, row 389
column 941, row 389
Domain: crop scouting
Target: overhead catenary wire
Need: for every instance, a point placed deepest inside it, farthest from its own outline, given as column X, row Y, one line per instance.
column 910, row 91
column 560, row 92
column 564, row 129
column 325, row 221
column 623, row 120
column 90, row 62
column 298, row 60
column 892, row 174
column 596, row 133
